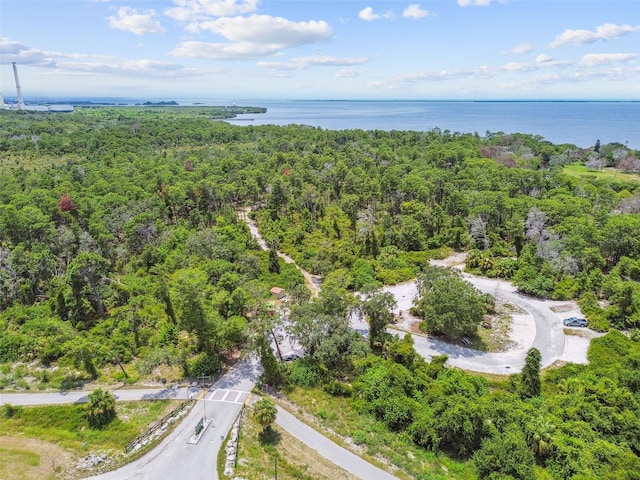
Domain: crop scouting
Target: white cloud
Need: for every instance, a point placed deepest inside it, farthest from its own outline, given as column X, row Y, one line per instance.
column 543, row 57
column 134, row 21
column 134, row 68
column 367, row 14
column 327, row 61
column 278, row 66
column 519, row 49
column 474, row 3
column 414, row 11
column 223, row 51
column 13, row 51
column 606, row 31
column 270, row 32
column 482, row 72
column 89, row 64
column 595, row 59
column 302, row 63
column 519, row 67
column 347, row 73
column 186, row 10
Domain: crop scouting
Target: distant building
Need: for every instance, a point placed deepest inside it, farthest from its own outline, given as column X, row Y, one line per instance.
column 278, row 292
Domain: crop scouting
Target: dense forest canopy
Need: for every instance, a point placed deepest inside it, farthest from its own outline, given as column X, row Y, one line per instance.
column 121, row 242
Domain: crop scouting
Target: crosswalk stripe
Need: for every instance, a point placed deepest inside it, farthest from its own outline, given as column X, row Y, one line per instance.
column 228, row 396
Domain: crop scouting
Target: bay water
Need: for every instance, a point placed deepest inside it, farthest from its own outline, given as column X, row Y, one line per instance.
column 573, row 122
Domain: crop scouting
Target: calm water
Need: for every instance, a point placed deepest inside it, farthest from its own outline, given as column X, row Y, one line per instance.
column 577, row 123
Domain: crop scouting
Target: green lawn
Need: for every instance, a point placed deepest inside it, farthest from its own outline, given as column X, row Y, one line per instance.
column 611, row 174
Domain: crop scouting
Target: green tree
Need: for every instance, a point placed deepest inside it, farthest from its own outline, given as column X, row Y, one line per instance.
column 265, row 413
column 86, row 275
column 377, row 306
column 190, row 292
column 325, row 339
column 505, row 454
column 101, row 408
column 455, row 424
column 274, row 263
column 530, row 385
column 265, row 325
column 402, row 351
column 450, row 306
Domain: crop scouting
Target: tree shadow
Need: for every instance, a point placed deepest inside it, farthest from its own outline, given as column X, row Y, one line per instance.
column 72, row 382
column 269, row 437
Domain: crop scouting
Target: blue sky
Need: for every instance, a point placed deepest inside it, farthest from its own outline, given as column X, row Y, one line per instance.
column 322, row 49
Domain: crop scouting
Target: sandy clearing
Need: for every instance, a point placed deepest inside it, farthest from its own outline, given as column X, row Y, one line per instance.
column 53, row 460
column 523, row 334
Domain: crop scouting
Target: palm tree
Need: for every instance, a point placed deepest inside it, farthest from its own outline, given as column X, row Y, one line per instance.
column 264, row 411
column 539, row 432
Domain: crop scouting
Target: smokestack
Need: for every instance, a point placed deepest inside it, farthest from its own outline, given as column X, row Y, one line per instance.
column 18, row 88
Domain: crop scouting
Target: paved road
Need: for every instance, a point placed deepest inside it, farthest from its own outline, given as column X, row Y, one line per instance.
column 545, row 327
column 74, row 396
column 328, row 449
column 174, row 457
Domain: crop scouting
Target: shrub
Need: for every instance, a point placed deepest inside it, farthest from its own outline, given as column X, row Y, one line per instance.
column 101, row 409
column 10, row 411
column 303, row 375
column 359, row 437
column 506, row 455
column 565, row 289
column 203, row 364
column 338, row 389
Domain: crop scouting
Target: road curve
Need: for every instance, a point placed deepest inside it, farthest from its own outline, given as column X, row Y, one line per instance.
column 543, row 326
column 74, row 396
column 546, row 330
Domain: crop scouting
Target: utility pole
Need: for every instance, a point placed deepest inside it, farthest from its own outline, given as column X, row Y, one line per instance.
column 202, row 377
column 204, row 409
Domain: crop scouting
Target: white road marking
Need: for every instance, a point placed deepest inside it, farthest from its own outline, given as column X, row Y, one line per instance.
column 228, row 396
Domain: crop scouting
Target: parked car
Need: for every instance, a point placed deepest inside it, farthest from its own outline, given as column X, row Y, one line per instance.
column 574, row 322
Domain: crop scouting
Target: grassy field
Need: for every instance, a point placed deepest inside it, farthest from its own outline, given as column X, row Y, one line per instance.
column 46, row 442
column 610, row 174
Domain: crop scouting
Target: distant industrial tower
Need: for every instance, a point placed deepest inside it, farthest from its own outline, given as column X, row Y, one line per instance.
column 18, row 88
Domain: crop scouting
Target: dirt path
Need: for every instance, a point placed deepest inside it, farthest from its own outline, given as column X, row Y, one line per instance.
column 312, row 282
